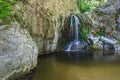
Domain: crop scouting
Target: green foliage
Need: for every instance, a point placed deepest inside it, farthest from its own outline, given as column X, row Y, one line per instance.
column 6, row 7
column 12, row 2
column 83, row 34
column 82, row 6
column 101, row 32
column 87, row 5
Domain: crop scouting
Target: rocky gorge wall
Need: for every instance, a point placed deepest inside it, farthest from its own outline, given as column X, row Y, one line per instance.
column 106, row 18
column 44, row 19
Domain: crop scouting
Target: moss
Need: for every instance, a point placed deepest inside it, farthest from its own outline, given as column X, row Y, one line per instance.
column 96, row 47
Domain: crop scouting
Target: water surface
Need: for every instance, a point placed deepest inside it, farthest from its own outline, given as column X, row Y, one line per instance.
column 79, row 66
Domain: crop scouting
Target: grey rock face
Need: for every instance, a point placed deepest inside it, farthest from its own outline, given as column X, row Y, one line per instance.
column 118, row 23
column 106, row 17
column 18, row 53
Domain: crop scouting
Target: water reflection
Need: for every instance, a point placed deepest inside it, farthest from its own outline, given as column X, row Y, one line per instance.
column 74, row 56
column 106, row 56
column 86, row 56
column 82, row 65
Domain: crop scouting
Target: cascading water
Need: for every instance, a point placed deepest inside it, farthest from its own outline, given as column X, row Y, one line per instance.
column 77, row 23
column 75, row 44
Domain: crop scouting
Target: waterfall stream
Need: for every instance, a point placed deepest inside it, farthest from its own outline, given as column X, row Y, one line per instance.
column 76, row 44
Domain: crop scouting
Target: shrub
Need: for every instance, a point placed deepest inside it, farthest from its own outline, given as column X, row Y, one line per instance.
column 6, row 7
column 87, row 5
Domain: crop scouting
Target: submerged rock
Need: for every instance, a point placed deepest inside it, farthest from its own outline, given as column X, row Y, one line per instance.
column 18, row 52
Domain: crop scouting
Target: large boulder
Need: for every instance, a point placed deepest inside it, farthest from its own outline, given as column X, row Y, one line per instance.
column 18, row 52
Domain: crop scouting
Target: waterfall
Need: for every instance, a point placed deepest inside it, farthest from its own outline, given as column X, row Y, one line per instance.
column 75, row 44
column 77, row 23
column 71, row 28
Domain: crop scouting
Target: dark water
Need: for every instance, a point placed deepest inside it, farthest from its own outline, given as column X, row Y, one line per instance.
column 79, row 66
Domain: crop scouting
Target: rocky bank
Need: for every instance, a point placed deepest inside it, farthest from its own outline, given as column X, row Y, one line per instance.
column 35, row 28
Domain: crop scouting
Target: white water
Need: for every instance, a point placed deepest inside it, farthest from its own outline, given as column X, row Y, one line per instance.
column 75, row 44
column 71, row 28
column 77, row 23
column 69, row 47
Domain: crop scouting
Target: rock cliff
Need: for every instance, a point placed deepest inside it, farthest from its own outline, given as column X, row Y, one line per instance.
column 44, row 19
column 105, row 21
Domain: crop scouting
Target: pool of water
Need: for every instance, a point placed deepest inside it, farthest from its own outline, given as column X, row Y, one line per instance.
column 81, row 65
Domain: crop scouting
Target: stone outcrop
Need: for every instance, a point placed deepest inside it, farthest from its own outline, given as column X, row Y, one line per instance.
column 18, row 52
column 44, row 20
column 106, row 18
